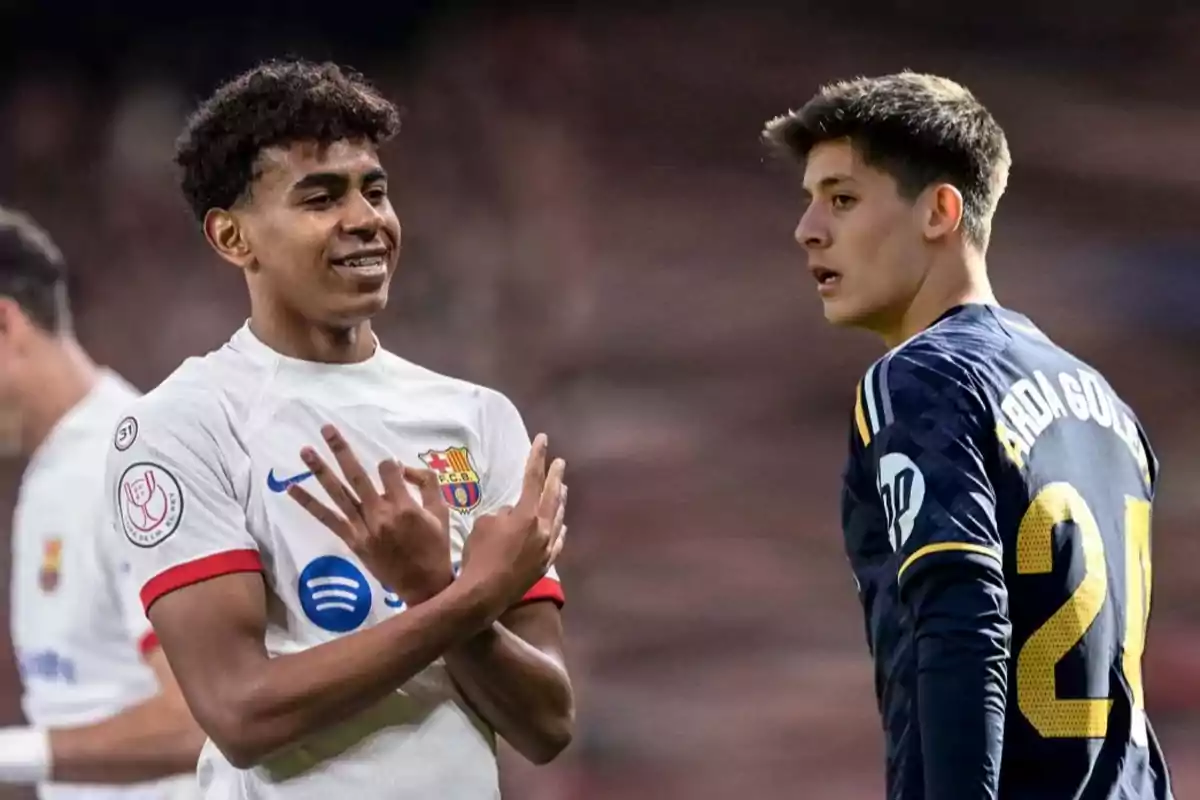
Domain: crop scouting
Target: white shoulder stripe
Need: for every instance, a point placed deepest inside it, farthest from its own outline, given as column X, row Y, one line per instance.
column 875, row 384
column 885, row 393
column 871, row 396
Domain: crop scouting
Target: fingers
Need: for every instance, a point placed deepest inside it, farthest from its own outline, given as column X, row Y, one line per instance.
column 552, row 496
column 557, row 546
column 351, row 467
column 552, row 512
column 427, row 484
column 330, row 482
column 535, row 472
column 557, row 525
column 391, row 474
column 321, row 513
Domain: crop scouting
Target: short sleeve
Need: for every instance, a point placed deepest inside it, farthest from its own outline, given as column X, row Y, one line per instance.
column 506, row 446
column 930, row 463
column 175, row 517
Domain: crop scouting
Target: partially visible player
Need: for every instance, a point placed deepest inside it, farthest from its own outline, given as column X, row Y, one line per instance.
column 996, row 504
column 317, row 627
column 106, row 716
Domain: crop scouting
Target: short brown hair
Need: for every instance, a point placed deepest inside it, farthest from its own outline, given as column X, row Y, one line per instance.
column 920, row 129
column 33, row 272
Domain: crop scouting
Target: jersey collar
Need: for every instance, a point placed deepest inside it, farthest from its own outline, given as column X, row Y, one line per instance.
column 245, row 342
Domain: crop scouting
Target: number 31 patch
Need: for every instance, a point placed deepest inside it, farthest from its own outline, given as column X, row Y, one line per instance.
column 126, row 434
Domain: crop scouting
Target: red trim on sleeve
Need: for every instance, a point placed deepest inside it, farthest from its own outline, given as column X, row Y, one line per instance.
column 202, row 569
column 546, row 589
column 148, row 644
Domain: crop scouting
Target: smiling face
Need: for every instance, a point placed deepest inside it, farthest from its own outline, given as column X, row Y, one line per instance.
column 316, row 236
column 865, row 242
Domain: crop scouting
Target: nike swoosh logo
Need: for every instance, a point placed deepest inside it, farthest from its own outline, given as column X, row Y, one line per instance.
column 277, row 486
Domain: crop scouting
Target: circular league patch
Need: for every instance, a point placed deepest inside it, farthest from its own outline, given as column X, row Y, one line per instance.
column 126, row 434
column 149, row 502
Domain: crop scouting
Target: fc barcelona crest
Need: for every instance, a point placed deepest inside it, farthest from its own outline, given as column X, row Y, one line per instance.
column 48, row 575
column 456, row 476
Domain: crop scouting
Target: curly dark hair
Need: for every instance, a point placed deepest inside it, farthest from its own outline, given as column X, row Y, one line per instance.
column 33, row 272
column 276, row 103
column 917, row 128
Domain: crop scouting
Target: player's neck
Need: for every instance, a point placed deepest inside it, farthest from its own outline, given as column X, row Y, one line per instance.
column 59, row 379
column 949, row 287
column 297, row 338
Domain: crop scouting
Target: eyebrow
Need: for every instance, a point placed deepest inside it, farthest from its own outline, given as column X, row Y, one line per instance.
column 337, row 180
column 830, row 182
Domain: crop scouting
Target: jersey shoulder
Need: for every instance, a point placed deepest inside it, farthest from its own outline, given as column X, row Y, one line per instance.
column 473, row 400
column 205, row 395
column 935, row 374
column 71, row 453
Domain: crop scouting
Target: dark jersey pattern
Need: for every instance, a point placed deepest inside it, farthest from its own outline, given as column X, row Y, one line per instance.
column 996, row 512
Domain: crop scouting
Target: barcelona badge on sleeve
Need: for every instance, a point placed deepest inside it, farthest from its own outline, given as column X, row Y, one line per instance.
column 48, row 575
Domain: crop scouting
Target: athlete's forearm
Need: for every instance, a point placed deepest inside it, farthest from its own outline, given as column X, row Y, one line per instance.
column 524, row 693
column 962, row 635
column 288, row 698
column 154, row 739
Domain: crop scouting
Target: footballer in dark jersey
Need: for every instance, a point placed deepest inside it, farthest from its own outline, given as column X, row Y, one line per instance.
column 997, row 496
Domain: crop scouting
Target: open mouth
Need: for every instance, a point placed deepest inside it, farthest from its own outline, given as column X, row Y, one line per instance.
column 825, row 277
column 362, row 265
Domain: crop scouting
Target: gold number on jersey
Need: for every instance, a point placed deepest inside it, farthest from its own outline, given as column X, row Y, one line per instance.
column 1037, row 696
column 1137, row 607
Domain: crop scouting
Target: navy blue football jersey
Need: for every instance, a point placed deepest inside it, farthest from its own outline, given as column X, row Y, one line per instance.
column 982, row 450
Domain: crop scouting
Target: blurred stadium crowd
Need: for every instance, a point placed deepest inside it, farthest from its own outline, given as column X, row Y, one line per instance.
column 590, row 227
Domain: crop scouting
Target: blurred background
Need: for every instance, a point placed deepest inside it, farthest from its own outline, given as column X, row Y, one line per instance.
column 591, row 227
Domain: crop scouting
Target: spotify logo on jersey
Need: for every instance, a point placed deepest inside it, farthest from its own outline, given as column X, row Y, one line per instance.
column 334, row 594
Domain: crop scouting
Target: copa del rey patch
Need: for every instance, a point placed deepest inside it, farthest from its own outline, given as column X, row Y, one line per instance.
column 149, row 503
column 456, row 475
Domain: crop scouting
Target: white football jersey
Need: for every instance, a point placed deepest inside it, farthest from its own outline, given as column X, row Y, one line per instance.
column 199, row 490
column 78, row 627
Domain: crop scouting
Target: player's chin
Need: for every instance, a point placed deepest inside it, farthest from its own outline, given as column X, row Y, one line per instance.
column 356, row 306
column 843, row 311
column 10, row 431
column 10, row 444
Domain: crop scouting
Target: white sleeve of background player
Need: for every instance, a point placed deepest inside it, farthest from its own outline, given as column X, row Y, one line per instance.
column 115, row 567
column 136, row 621
column 128, row 593
column 506, row 447
column 175, row 517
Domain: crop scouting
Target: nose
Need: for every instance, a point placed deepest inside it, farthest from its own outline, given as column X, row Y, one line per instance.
column 361, row 218
column 811, row 231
